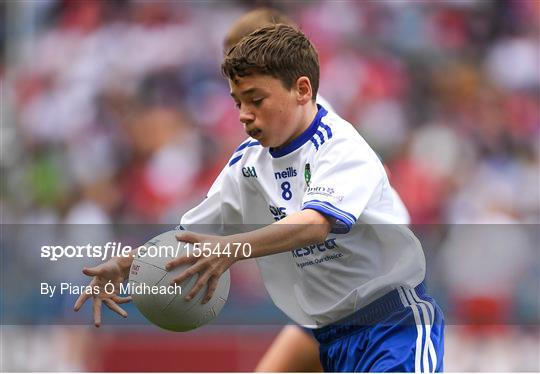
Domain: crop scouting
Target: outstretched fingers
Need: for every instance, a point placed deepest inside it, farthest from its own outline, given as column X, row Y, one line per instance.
column 91, row 272
column 188, row 237
column 186, row 274
column 212, row 286
column 203, row 279
column 80, row 301
column 121, row 300
column 179, row 261
column 97, row 311
column 114, row 307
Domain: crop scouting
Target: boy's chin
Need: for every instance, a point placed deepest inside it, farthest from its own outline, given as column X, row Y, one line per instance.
column 268, row 143
column 265, row 143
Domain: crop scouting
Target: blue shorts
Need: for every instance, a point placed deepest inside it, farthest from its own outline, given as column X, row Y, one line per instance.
column 402, row 331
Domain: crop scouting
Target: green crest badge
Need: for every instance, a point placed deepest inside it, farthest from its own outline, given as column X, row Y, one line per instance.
column 307, row 174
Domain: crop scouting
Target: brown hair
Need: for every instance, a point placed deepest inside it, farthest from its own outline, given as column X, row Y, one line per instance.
column 281, row 51
column 250, row 22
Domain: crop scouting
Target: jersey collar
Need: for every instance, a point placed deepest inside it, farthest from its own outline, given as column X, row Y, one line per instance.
column 302, row 138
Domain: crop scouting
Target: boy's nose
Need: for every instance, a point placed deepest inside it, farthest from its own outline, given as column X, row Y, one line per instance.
column 246, row 117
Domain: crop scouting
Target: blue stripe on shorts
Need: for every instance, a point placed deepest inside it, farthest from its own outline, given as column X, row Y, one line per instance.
column 402, row 331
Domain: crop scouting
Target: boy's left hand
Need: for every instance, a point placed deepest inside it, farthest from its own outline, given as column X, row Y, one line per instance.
column 209, row 268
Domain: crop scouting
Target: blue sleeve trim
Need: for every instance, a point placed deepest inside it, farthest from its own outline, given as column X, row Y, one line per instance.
column 235, row 160
column 242, row 146
column 246, row 145
column 344, row 219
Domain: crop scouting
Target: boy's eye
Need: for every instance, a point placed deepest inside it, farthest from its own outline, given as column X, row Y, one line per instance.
column 255, row 102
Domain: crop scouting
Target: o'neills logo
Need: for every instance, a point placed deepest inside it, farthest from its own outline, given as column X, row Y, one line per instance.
column 287, row 173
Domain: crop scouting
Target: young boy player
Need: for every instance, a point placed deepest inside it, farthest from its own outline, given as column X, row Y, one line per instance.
column 331, row 254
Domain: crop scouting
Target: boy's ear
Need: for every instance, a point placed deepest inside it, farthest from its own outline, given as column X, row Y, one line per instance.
column 303, row 89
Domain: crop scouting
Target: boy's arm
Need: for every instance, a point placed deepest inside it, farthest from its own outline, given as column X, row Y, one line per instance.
column 297, row 230
column 294, row 231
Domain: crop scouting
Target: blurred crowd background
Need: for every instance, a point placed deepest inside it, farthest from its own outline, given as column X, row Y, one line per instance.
column 115, row 112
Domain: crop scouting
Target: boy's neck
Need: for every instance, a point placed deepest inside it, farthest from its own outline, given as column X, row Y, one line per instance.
column 311, row 112
column 308, row 116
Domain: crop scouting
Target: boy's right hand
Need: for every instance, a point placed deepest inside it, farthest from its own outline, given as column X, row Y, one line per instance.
column 112, row 271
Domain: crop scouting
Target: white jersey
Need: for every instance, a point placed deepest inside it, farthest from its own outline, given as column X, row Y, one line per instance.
column 401, row 213
column 331, row 169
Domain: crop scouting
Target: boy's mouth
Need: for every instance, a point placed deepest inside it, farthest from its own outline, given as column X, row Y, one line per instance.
column 254, row 133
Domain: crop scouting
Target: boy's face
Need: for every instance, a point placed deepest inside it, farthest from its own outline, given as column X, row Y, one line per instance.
column 271, row 114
